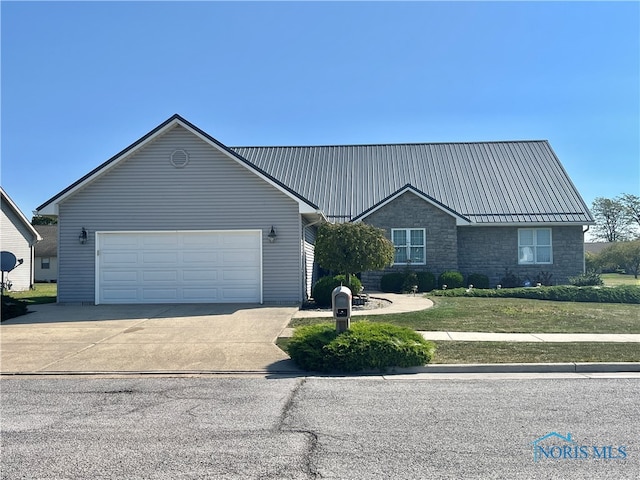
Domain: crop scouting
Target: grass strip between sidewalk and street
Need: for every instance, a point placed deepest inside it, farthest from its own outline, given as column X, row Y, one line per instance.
column 534, row 352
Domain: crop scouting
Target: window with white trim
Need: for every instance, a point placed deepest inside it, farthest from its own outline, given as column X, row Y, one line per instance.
column 410, row 245
column 534, row 246
column 45, row 263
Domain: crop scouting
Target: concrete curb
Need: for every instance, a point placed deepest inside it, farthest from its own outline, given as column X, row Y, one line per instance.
column 571, row 367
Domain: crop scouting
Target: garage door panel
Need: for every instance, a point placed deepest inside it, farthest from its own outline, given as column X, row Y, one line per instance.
column 160, row 258
column 199, row 275
column 119, row 258
column 159, row 240
column 239, row 295
column 239, row 258
column 119, row 276
column 197, row 293
column 121, row 240
column 159, row 276
column 174, row 267
column 121, row 295
column 202, row 257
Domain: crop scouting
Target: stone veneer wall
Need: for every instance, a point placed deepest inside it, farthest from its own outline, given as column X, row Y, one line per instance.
column 411, row 211
column 489, row 250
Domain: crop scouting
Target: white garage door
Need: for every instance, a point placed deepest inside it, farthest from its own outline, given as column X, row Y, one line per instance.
column 179, row 267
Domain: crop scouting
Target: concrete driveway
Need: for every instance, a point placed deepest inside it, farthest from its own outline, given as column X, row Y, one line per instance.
column 145, row 338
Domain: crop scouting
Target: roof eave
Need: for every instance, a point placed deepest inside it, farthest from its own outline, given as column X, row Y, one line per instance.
column 21, row 216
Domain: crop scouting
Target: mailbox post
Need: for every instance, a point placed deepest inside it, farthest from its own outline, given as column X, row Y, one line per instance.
column 341, row 302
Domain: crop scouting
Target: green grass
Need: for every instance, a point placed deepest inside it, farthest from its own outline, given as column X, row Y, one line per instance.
column 41, row 293
column 524, row 352
column 615, row 279
column 512, row 315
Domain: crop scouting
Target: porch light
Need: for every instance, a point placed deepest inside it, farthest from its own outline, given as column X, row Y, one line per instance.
column 83, row 236
column 272, row 235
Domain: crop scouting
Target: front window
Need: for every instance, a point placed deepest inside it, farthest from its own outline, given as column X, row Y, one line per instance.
column 534, row 246
column 45, row 263
column 409, row 244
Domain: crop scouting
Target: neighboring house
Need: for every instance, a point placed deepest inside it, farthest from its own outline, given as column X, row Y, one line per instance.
column 17, row 236
column 596, row 247
column 180, row 217
column 46, row 254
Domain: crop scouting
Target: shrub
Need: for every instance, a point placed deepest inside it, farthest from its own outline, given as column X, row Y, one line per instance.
column 542, row 278
column 392, row 282
column 306, row 347
column 586, row 279
column 410, row 281
column 451, row 280
column 510, row 279
column 399, row 282
column 12, row 307
column 563, row 293
column 478, row 280
column 364, row 346
column 321, row 291
column 426, row 281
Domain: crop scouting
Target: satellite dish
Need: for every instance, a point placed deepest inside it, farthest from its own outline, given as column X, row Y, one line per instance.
column 8, row 261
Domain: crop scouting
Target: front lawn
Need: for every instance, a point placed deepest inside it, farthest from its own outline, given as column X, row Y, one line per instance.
column 41, row 293
column 615, row 279
column 512, row 315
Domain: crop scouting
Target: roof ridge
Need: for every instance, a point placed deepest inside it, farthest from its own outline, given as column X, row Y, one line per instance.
column 483, row 142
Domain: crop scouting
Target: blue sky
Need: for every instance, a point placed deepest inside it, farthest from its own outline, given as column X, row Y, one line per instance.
column 83, row 80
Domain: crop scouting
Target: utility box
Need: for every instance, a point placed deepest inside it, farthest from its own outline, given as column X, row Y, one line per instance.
column 341, row 302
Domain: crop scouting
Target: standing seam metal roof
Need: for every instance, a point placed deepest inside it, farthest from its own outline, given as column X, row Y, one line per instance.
column 487, row 182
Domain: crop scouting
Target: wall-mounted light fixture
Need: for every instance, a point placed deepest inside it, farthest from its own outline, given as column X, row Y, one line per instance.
column 272, row 235
column 83, row 236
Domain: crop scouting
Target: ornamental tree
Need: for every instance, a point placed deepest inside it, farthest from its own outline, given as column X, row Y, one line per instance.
column 349, row 248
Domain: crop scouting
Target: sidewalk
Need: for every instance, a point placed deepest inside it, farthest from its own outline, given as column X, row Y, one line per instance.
column 531, row 337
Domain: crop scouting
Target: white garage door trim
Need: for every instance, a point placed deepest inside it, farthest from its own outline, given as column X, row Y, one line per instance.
column 178, row 266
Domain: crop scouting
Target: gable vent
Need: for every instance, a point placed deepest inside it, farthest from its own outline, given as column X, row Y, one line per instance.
column 179, row 158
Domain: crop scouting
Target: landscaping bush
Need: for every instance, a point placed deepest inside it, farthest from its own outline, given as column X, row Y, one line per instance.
column 586, row 280
column 410, row 281
column 392, row 282
column 564, row 293
column 12, row 307
column 426, row 281
column 478, row 280
column 365, row 346
column 399, row 282
column 451, row 280
column 542, row 278
column 321, row 291
column 510, row 279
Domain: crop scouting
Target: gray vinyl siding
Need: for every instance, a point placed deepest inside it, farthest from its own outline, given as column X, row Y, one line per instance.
column 308, row 243
column 212, row 192
column 17, row 239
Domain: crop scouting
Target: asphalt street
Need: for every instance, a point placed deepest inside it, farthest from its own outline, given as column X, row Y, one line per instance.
column 402, row 427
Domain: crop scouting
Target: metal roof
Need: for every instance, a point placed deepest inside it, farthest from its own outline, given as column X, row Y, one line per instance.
column 484, row 182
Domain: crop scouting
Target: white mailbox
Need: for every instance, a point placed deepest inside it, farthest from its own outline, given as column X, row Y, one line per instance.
column 341, row 303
